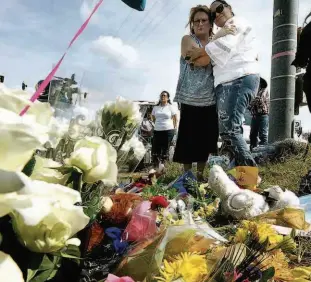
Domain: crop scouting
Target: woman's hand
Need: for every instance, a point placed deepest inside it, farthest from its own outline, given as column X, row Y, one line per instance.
column 226, row 30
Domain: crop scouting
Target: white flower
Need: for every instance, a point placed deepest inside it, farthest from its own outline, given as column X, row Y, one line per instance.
column 20, row 136
column 126, row 108
column 9, row 270
column 44, row 170
column 19, row 139
column 16, row 100
column 137, row 146
column 58, row 129
column 44, row 215
column 96, row 158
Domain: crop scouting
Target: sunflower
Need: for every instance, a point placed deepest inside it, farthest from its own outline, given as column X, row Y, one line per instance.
column 279, row 261
column 190, row 267
column 261, row 231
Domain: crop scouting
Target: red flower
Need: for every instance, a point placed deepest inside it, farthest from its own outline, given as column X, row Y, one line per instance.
column 159, row 201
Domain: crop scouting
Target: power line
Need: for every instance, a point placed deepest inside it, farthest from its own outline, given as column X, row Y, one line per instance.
column 149, row 23
column 160, row 22
column 146, row 15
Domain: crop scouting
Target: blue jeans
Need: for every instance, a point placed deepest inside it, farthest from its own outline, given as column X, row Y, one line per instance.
column 259, row 127
column 233, row 98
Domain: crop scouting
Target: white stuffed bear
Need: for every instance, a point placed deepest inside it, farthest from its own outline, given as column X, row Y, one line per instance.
column 245, row 204
column 236, row 202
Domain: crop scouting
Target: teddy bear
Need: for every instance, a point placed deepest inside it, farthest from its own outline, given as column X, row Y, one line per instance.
column 246, row 204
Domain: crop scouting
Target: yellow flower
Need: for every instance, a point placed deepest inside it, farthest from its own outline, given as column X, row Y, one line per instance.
column 188, row 266
column 301, row 274
column 240, row 235
column 261, row 231
column 280, row 263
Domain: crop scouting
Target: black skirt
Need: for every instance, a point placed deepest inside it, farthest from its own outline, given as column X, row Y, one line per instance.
column 197, row 134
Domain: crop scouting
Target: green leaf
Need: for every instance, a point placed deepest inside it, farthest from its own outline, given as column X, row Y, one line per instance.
column 267, row 274
column 31, row 274
column 48, row 269
column 73, row 250
column 34, row 264
column 47, row 263
column 29, row 167
column 43, row 276
column 65, row 255
column 64, row 169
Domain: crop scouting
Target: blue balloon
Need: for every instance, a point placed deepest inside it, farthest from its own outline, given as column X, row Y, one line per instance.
column 138, row 5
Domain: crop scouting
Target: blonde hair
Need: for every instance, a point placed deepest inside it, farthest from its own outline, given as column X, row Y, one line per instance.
column 194, row 11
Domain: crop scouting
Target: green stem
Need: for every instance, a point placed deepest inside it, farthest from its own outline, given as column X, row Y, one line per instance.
column 77, row 180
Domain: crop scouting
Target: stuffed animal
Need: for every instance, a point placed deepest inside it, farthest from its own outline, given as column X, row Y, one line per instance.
column 117, row 209
column 279, row 199
column 245, row 204
column 239, row 203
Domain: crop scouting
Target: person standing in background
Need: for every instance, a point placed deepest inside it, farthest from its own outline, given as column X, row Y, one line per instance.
column 259, row 109
column 165, row 118
column 303, row 58
column 147, row 126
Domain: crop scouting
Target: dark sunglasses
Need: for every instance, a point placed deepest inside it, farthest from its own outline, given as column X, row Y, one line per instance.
column 163, row 95
column 219, row 9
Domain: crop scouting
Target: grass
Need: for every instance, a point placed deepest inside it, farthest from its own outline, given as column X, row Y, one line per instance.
column 286, row 174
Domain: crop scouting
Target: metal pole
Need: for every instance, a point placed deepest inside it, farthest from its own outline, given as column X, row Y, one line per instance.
column 284, row 43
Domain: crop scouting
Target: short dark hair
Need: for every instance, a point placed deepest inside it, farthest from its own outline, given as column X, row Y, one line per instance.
column 223, row 2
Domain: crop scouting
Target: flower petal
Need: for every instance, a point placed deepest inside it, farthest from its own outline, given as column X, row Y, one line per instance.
column 9, row 270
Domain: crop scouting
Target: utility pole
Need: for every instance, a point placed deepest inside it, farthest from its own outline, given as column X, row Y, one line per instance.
column 283, row 74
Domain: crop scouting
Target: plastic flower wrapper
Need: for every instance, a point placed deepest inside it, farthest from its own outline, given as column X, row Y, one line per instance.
column 142, row 224
column 9, row 270
column 43, row 215
column 143, row 260
column 119, row 120
column 287, row 217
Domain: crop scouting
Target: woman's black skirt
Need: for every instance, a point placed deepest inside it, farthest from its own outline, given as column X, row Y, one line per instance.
column 197, row 134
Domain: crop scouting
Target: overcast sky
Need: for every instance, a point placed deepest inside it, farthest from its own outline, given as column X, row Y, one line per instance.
column 122, row 52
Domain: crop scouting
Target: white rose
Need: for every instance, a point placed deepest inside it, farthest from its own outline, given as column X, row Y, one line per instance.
column 137, row 146
column 9, row 270
column 19, row 139
column 44, row 170
column 96, row 158
column 16, row 101
column 44, row 215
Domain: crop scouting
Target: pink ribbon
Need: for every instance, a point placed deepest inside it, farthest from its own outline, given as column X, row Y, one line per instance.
column 50, row 76
column 282, row 54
